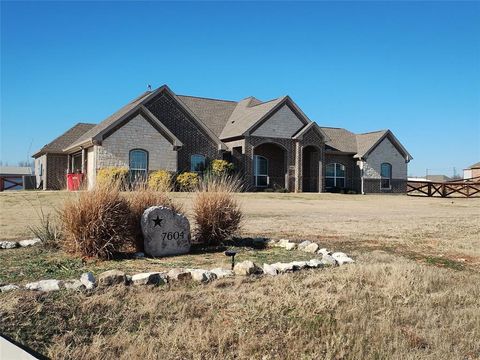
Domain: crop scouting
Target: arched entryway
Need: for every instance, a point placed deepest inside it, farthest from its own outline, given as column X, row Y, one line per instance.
column 310, row 169
column 269, row 166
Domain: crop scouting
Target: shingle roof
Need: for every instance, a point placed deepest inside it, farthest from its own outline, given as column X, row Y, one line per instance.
column 438, row 178
column 64, row 140
column 109, row 120
column 367, row 140
column 474, row 166
column 213, row 113
column 341, row 139
column 246, row 114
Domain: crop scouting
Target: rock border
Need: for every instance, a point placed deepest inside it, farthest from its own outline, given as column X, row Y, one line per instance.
column 88, row 281
column 11, row 244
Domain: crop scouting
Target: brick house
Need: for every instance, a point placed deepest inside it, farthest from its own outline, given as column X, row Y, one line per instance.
column 272, row 144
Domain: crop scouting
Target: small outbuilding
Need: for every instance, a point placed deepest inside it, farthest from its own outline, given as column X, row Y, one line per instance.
column 15, row 178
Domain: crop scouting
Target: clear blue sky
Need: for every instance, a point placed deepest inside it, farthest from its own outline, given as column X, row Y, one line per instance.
column 411, row 67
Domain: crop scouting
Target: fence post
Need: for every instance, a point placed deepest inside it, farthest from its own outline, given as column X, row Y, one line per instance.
column 444, row 191
column 429, row 189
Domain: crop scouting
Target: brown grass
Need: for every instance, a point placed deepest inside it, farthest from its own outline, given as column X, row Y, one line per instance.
column 96, row 223
column 383, row 307
column 216, row 211
column 141, row 199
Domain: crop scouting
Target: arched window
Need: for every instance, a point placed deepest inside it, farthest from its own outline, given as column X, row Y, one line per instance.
column 260, row 170
column 386, row 176
column 335, row 176
column 138, row 165
column 197, row 163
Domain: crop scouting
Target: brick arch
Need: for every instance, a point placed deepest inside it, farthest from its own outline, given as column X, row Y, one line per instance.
column 276, row 154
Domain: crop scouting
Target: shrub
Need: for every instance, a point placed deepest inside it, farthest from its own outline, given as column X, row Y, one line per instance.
column 216, row 211
column 160, row 180
column 97, row 222
column 113, row 176
column 48, row 232
column 187, row 181
column 140, row 200
column 221, row 167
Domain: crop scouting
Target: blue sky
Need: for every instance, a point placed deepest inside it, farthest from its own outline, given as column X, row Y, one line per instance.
column 412, row 67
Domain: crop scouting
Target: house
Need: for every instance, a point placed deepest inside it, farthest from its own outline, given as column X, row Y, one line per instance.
column 272, row 144
column 438, row 178
column 473, row 171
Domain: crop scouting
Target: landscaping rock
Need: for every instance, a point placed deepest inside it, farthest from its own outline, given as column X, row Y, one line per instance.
column 269, row 270
column 45, row 285
column 304, row 244
column 29, row 242
column 312, row 248
column 299, row 265
column 329, row 260
column 202, row 275
column 165, row 232
column 323, row 252
column 111, row 277
column 8, row 244
column 314, row 263
column 74, row 285
column 246, row 268
column 283, row 267
column 179, row 275
column 342, row 258
column 153, row 278
column 222, row 273
column 7, row 288
column 290, row 246
column 282, row 243
column 88, row 280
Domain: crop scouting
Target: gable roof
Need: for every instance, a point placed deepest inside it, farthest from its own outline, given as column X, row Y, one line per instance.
column 137, row 105
column 15, row 170
column 360, row 144
column 475, row 166
column 68, row 137
column 213, row 113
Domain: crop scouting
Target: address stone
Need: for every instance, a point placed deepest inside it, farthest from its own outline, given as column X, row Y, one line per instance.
column 165, row 232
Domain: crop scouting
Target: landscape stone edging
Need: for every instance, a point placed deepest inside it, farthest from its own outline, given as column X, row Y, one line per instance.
column 88, row 281
column 13, row 244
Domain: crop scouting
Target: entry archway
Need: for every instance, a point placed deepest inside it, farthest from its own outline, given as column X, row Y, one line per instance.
column 269, row 166
column 310, row 169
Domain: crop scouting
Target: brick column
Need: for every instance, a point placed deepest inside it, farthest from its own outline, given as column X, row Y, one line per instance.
column 298, row 167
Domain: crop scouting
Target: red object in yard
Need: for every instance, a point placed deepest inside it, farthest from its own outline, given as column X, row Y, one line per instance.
column 74, row 181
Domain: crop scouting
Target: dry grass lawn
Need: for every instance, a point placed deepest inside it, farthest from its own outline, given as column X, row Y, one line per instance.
column 414, row 292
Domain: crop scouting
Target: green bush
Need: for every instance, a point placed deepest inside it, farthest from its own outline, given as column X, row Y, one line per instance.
column 160, row 180
column 117, row 176
column 221, row 167
column 187, row 181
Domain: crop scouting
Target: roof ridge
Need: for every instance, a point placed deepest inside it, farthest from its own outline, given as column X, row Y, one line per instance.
column 372, row 132
column 206, row 98
column 266, row 102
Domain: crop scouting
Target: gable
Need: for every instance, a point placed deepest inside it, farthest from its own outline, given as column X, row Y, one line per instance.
column 281, row 124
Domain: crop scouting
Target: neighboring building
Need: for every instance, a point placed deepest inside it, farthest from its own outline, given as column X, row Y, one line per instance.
column 272, row 144
column 438, row 178
column 472, row 171
column 15, row 177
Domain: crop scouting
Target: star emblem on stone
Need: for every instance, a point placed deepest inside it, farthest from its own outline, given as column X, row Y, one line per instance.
column 157, row 221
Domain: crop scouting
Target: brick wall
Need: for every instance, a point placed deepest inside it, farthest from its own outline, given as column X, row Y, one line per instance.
column 385, row 152
column 137, row 133
column 195, row 140
column 56, row 172
column 282, row 124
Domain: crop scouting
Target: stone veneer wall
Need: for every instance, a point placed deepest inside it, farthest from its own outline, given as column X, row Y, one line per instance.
column 195, row 140
column 137, row 133
column 385, row 152
column 41, row 164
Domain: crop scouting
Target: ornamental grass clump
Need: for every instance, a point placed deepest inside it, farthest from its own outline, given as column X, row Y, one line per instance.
column 97, row 223
column 140, row 199
column 217, row 212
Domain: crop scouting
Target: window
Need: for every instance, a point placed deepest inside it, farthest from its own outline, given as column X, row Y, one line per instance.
column 40, row 169
column 335, row 175
column 197, row 163
column 138, row 164
column 386, row 176
column 77, row 163
column 260, row 171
